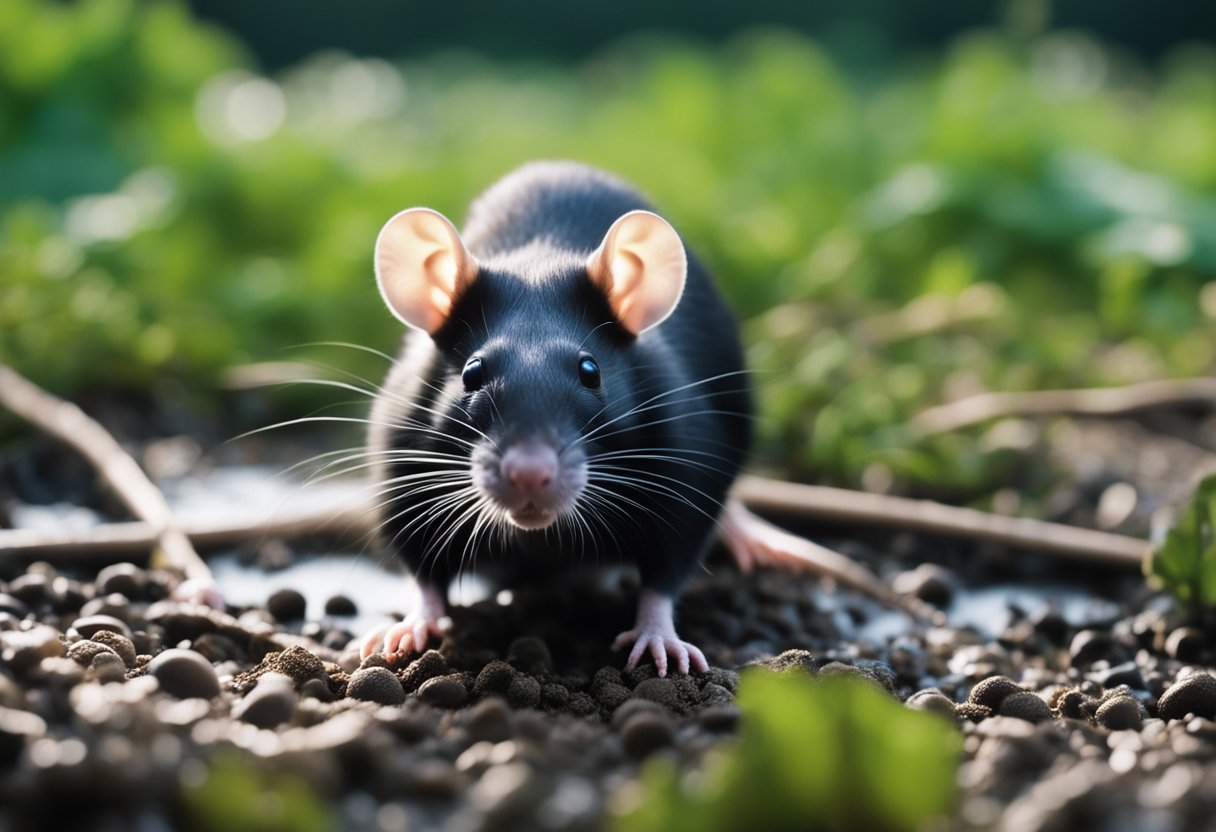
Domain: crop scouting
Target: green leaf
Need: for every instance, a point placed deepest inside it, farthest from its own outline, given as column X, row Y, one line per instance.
column 831, row 754
column 1185, row 562
column 239, row 797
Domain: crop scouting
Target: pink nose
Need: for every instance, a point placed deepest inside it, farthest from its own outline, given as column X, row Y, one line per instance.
column 529, row 467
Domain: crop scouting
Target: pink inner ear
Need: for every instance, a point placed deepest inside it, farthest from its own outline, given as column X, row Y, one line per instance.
column 421, row 265
column 641, row 268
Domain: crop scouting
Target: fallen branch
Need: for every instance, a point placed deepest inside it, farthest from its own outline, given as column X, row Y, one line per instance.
column 840, row 505
column 835, row 505
column 68, row 423
column 1097, row 401
column 103, row 543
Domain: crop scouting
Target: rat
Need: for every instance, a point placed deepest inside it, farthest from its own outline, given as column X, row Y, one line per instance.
column 571, row 388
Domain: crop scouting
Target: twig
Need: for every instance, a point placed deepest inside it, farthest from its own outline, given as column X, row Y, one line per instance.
column 836, row 505
column 929, row 314
column 109, row 540
column 843, row 506
column 1096, row 401
column 68, row 423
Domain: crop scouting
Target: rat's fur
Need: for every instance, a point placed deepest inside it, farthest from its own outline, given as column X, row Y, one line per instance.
column 678, row 391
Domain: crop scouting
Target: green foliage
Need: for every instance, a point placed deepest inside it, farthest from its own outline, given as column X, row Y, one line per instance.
column 1185, row 562
column 831, row 754
column 166, row 213
column 238, row 797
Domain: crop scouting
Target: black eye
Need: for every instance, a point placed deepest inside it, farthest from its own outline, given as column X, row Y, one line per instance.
column 588, row 371
column 473, row 375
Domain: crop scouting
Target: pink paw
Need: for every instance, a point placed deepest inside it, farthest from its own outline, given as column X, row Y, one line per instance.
column 409, row 635
column 660, row 645
column 199, row 591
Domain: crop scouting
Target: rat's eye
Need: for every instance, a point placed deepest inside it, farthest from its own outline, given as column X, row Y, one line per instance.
column 473, row 375
column 588, row 370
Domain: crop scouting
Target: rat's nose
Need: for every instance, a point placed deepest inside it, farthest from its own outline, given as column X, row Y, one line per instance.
column 530, row 468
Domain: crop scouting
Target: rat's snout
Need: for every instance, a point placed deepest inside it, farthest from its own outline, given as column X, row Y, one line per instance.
column 530, row 468
column 531, row 481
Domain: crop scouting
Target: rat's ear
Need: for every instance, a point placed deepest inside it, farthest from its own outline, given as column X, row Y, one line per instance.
column 422, row 266
column 641, row 267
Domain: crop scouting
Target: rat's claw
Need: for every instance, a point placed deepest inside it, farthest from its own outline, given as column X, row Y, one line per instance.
column 655, row 634
column 660, row 647
column 372, row 640
column 411, row 633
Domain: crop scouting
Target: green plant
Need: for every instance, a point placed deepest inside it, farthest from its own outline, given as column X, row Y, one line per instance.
column 167, row 213
column 1185, row 562
column 832, row 754
column 237, row 796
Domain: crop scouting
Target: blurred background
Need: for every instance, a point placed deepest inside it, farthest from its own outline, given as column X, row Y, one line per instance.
column 907, row 202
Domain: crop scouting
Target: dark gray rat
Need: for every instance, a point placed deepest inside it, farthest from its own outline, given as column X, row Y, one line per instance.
column 573, row 390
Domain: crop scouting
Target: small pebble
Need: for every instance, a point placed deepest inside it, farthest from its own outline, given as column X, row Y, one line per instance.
column 555, row 696
column 792, row 660
column 1121, row 713
column 972, row 712
column 126, row 579
column 523, row 692
column 929, row 582
column 490, row 720
column 991, row 692
column 317, row 689
column 660, row 691
column 83, row 652
column 272, row 702
column 23, row 649
column 530, row 655
column 340, row 605
column 1186, row 644
column 1127, row 673
column 1196, row 694
column 185, row 674
column 286, row 605
column 646, row 732
column 1088, row 646
column 427, row 666
column 107, row 667
column 444, row 691
column 1027, row 706
column 931, row 699
column 375, row 684
column 17, row 728
column 720, row 718
column 90, row 625
column 493, row 680
column 713, row 694
column 13, row 606
column 119, row 643
column 610, row 695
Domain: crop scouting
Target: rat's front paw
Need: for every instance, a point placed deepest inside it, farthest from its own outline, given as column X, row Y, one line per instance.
column 660, row 645
column 200, row 590
column 409, row 635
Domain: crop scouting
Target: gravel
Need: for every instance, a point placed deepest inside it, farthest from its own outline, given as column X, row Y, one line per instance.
column 375, row 684
column 116, row 697
column 185, row 674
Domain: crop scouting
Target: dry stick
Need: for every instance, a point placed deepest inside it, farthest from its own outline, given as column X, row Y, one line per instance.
column 832, row 504
column 108, row 540
column 844, row 506
column 68, row 423
column 1097, row 401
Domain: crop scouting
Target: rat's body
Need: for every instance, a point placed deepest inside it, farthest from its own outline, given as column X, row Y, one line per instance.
column 577, row 395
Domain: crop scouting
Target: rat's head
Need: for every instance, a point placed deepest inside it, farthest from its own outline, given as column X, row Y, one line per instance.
column 537, row 345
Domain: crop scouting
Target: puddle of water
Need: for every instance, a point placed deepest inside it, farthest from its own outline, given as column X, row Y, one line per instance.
column 987, row 610
column 251, row 492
